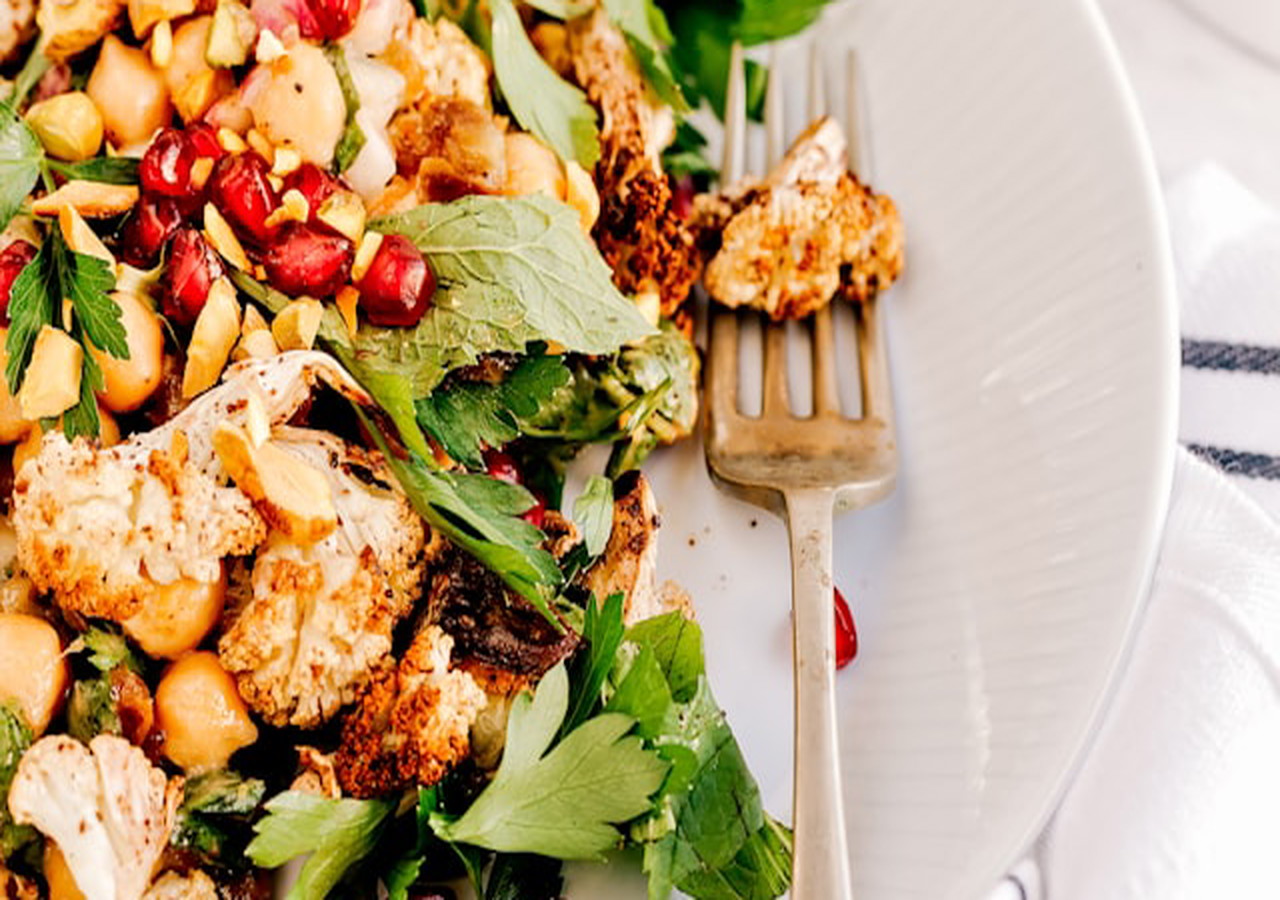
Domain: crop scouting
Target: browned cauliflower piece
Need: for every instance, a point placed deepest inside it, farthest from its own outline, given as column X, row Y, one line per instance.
column 108, row 809
column 17, row 25
column 71, row 26
column 413, row 722
column 193, row 885
column 437, row 58
column 103, row 528
column 306, row 628
column 808, row 232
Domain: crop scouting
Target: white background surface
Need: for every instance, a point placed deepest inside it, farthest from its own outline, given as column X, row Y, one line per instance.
column 1204, row 92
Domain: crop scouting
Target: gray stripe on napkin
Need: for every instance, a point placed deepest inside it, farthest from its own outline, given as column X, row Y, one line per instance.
column 1235, row 462
column 1230, row 357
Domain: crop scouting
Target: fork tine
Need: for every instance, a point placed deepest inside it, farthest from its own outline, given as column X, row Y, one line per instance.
column 858, row 156
column 775, row 120
column 722, row 367
column 877, row 399
column 735, row 119
column 817, row 82
column 775, row 398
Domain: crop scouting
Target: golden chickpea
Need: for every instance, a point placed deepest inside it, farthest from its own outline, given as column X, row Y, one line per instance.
column 129, row 92
column 13, row 427
column 62, row 884
column 178, row 617
column 200, row 713
column 532, row 167
column 127, row 383
column 33, row 673
column 27, row 448
column 68, row 125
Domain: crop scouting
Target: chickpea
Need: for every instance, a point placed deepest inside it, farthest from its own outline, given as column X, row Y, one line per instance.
column 127, row 383
column 297, row 101
column 178, row 617
column 68, row 125
column 62, row 884
column 33, row 673
column 27, row 448
column 13, row 427
column 532, row 167
column 200, row 713
column 129, row 92
column 193, row 84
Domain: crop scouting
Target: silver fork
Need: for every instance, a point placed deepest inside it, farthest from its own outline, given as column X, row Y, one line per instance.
column 806, row 469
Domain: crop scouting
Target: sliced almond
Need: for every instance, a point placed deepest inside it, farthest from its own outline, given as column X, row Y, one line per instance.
column 286, row 160
column 365, row 253
column 257, row 423
column 347, row 300
column 231, row 142
column 296, row 325
column 89, row 198
column 292, row 495
column 256, row 345
column 80, row 237
column 215, row 333
column 650, row 305
column 293, row 208
column 201, row 169
column 52, row 382
column 253, row 321
column 269, row 48
column 162, row 45
column 581, row 194
column 258, row 141
column 221, row 238
column 344, row 212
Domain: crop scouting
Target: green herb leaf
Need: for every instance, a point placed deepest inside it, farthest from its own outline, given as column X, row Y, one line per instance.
column 469, row 417
column 31, row 307
column 107, row 649
column 337, row 834
column 602, row 630
column 646, row 29
column 510, row 270
column 542, row 101
column 353, row 137
column 562, row 9
column 15, row 738
column 106, row 169
column 88, row 282
column 91, row 711
column 20, row 159
column 566, row 803
column 222, row 792
column 593, row 513
column 761, row 869
column 401, row 876
column 761, row 21
column 82, row 420
column 523, row 876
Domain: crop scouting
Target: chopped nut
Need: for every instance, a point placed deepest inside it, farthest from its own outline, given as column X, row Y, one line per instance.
column 292, row 495
column 52, row 382
column 195, row 97
column 269, row 48
column 201, row 169
column 212, row 338
column 276, row 182
column 296, row 325
column 344, row 212
column 257, row 423
column 258, row 141
column 80, row 237
column 256, row 345
column 581, row 194
column 221, row 238
column 231, row 142
column 650, row 305
column 143, row 14
column 293, row 208
column 162, row 45
column 253, row 321
column 71, row 26
column 94, row 199
column 347, row 300
column 287, row 160
column 365, row 253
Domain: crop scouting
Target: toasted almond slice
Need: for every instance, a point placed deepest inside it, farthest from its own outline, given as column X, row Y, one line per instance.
column 650, row 305
column 365, row 253
column 286, row 160
column 89, row 198
column 52, row 382
column 81, row 238
column 201, row 169
column 162, row 45
column 269, row 47
column 258, row 141
column 581, row 194
column 215, row 333
column 293, row 208
column 231, row 142
column 220, row 236
column 256, row 345
column 296, row 325
column 257, row 423
column 253, row 321
column 347, row 300
column 292, row 495
column 344, row 212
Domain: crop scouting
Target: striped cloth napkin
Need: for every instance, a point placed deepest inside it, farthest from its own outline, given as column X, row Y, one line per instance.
column 1179, row 798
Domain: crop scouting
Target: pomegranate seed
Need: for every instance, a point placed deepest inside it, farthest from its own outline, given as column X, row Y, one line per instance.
column 144, row 234
column 314, row 183
column 203, row 139
column 240, row 190
column 56, row 80
column 397, row 288
column 332, row 19
column 13, row 259
column 682, row 197
column 166, row 166
column 503, row 467
column 306, row 260
column 193, row 267
column 846, row 633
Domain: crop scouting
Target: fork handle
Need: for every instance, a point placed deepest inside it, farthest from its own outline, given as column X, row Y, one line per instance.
column 821, row 870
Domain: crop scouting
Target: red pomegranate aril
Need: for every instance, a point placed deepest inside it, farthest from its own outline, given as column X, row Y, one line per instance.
column 203, row 139
column 153, row 221
column 305, row 260
column 682, row 193
column 314, row 183
column 192, row 269
column 502, row 467
column 239, row 188
column 397, row 288
column 166, row 166
column 332, row 19
column 846, row 632
column 13, row 259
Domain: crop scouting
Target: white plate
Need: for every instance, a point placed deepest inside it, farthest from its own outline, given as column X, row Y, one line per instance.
column 1034, row 354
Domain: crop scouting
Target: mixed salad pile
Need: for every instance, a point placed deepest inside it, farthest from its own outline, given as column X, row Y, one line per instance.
column 307, row 306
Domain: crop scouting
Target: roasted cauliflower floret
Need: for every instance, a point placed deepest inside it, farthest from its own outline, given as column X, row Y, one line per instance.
column 104, row 528
column 808, row 232
column 413, row 721
column 71, row 26
column 311, row 620
column 109, row 810
column 193, row 885
column 438, row 58
column 17, row 25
